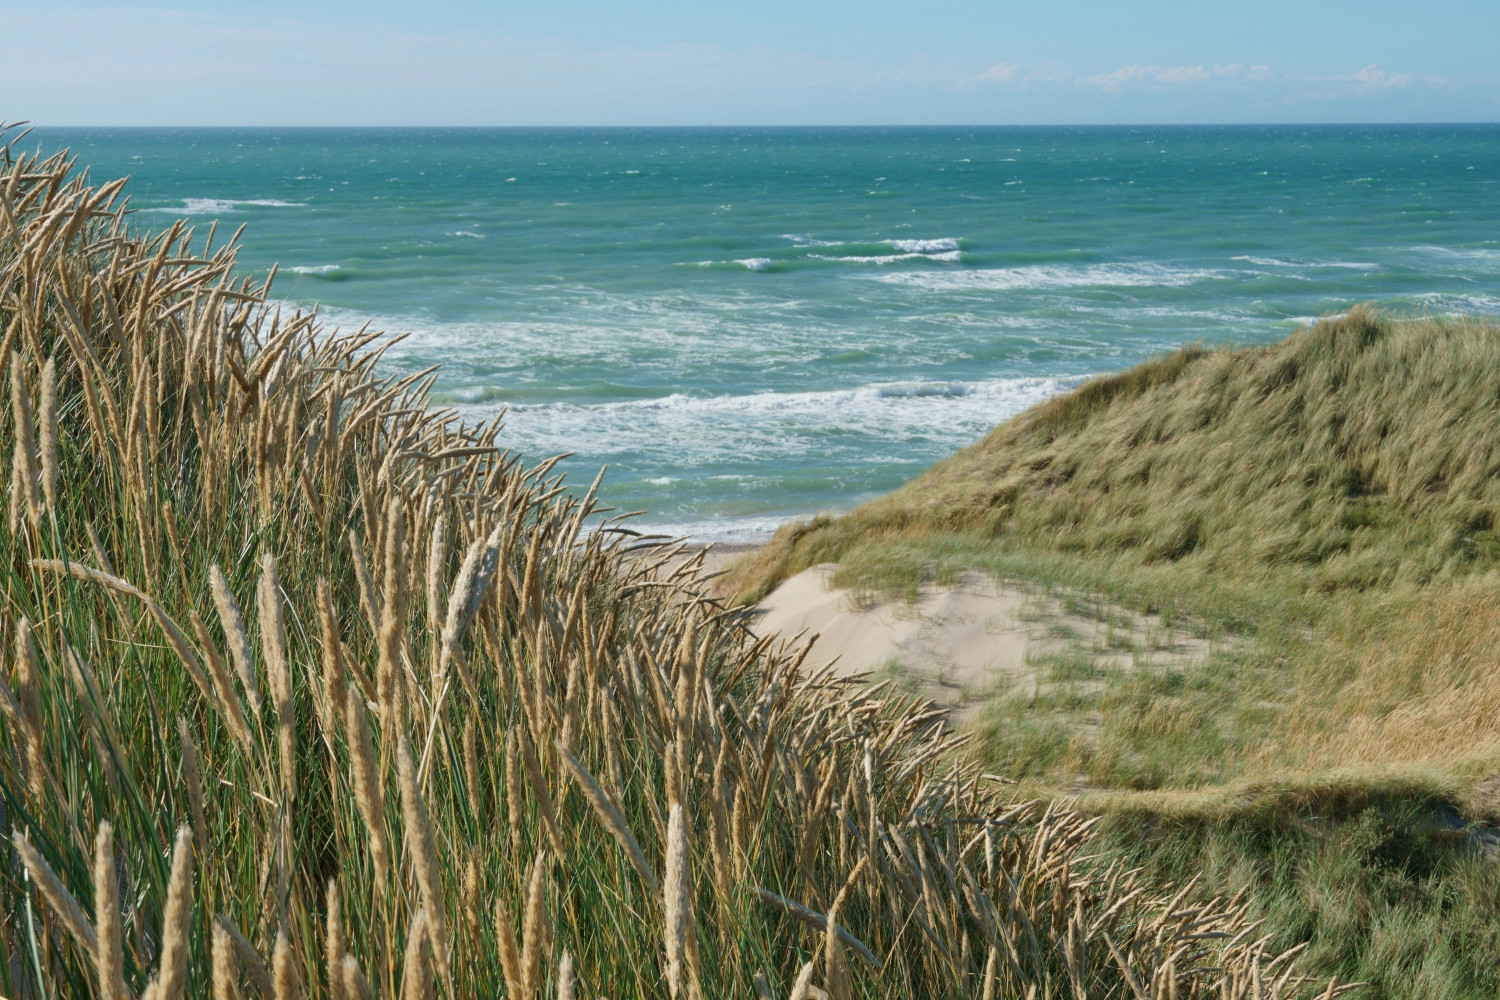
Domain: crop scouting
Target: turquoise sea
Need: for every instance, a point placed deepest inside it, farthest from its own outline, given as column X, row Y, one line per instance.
column 751, row 324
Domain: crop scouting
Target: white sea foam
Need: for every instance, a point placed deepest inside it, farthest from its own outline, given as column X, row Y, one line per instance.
column 890, row 258
column 836, row 427
column 942, row 245
column 317, row 269
column 810, row 241
column 469, row 234
column 1046, row 276
column 1460, row 303
column 1486, row 258
column 1348, row 265
column 725, row 530
column 221, row 206
column 756, row 263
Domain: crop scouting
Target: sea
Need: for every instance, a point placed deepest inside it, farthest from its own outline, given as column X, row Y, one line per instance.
column 751, row 325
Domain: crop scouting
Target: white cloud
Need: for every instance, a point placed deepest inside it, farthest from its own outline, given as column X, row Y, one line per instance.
column 1375, row 77
column 1137, row 74
column 999, row 73
column 1184, row 74
column 1125, row 74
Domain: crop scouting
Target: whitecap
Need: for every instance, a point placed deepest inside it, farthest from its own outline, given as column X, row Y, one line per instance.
column 315, row 269
column 890, row 258
column 1349, row 265
column 1485, row 256
column 469, row 234
column 725, row 530
column 756, row 263
column 219, row 206
column 925, row 246
column 1055, row 276
column 1460, row 303
column 810, row 241
column 683, row 430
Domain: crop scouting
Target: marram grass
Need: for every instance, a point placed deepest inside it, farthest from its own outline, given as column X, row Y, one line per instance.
column 257, row 744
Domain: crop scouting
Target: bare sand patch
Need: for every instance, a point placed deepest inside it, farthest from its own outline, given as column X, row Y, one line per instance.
column 959, row 645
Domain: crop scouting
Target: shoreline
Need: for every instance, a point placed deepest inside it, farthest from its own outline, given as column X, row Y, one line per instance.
column 719, row 555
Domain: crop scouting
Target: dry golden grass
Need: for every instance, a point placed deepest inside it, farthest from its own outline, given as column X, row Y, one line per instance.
column 375, row 769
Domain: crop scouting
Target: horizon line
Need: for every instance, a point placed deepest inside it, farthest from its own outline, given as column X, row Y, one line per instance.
column 32, row 125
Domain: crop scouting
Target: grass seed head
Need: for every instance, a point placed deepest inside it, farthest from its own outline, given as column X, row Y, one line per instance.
column 109, row 962
column 56, row 894
column 421, row 842
column 369, row 794
column 177, row 920
column 676, row 907
column 48, row 443
column 235, row 635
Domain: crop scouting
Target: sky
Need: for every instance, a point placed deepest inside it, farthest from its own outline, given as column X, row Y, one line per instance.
column 772, row 62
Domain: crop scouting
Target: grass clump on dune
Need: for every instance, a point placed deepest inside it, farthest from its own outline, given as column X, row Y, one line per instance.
column 312, row 691
column 1324, row 510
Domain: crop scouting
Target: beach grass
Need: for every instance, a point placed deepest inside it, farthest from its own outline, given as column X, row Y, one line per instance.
column 311, row 690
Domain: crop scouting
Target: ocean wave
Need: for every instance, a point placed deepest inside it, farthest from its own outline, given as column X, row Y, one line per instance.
column 941, row 245
column 220, row 206
column 1055, row 276
column 471, row 394
column 746, row 264
column 317, row 270
column 826, row 400
column 1488, row 258
column 719, row 329
column 951, row 256
column 1348, row 265
column 1459, row 303
column 830, row 429
column 810, row 241
column 470, row 235
column 920, row 248
column 726, row 530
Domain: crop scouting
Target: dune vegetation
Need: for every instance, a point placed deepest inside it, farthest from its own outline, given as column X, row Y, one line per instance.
column 312, row 691
column 1324, row 509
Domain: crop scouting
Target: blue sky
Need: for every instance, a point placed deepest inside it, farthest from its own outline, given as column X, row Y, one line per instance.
column 463, row 62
